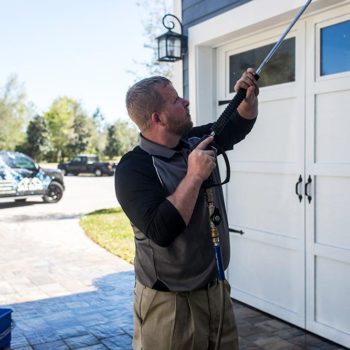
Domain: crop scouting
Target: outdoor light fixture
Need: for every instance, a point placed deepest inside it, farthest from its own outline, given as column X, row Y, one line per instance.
column 171, row 45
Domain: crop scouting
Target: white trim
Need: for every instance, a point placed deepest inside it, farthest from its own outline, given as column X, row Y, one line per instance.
column 177, row 78
column 250, row 17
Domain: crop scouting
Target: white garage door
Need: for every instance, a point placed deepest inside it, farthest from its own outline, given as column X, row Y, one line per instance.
column 290, row 186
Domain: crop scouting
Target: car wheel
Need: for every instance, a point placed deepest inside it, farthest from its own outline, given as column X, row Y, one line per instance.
column 54, row 193
column 98, row 172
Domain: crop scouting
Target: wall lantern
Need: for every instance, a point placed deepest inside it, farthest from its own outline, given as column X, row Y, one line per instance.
column 172, row 46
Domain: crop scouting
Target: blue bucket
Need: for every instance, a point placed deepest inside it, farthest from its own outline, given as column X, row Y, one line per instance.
column 5, row 328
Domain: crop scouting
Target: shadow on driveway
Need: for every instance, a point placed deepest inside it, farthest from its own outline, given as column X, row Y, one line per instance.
column 101, row 317
column 13, row 204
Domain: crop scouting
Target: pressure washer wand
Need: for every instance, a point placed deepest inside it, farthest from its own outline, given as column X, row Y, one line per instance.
column 279, row 42
column 220, row 124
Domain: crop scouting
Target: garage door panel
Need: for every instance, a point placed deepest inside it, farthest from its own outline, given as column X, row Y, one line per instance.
column 328, row 162
column 268, row 276
column 332, row 125
column 332, row 287
column 276, row 133
column 331, row 225
column 259, row 200
column 293, row 259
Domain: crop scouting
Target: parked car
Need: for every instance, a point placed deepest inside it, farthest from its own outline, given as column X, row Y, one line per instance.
column 21, row 177
column 88, row 164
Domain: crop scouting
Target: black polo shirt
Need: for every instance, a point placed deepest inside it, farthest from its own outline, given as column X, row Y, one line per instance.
column 179, row 257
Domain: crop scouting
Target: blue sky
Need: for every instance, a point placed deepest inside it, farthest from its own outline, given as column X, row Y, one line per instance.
column 78, row 48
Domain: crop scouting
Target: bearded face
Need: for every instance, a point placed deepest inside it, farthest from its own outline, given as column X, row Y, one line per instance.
column 179, row 127
column 175, row 112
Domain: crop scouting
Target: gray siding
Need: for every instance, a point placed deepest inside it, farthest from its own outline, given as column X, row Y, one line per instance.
column 196, row 11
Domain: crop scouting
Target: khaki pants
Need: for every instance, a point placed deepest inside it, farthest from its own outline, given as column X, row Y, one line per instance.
column 183, row 320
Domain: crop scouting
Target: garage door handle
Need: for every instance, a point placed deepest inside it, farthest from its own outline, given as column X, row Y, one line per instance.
column 224, row 102
column 300, row 180
column 236, row 231
column 306, row 188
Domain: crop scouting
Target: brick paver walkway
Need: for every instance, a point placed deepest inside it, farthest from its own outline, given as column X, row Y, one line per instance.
column 68, row 293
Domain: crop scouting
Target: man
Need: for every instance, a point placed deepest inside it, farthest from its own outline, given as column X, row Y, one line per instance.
column 159, row 186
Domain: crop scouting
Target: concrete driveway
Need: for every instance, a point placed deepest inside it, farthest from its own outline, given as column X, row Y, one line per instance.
column 66, row 292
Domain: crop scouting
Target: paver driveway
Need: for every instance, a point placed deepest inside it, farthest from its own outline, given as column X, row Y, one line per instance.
column 66, row 291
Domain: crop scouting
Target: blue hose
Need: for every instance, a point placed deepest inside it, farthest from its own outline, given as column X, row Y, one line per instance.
column 219, row 263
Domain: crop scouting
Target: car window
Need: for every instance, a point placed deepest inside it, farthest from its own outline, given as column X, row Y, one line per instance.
column 18, row 161
column 23, row 162
column 91, row 160
column 7, row 160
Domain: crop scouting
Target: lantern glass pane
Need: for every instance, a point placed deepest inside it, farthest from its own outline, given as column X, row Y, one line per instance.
column 174, row 47
column 162, row 47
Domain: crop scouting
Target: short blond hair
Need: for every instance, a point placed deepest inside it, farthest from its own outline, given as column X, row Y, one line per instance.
column 143, row 98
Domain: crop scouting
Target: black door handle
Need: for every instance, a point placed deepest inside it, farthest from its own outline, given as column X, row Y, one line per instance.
column 236, row 231
column 300, row 180
column 223, row 102
column 309, row 181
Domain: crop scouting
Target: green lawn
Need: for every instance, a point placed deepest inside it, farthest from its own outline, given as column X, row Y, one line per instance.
column 110, row 228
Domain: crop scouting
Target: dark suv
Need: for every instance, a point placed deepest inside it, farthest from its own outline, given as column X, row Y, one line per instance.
column 21, row 177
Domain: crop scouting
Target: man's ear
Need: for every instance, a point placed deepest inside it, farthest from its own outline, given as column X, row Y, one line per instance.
column 155, row 118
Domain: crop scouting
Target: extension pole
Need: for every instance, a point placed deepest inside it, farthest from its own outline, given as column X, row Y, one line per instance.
column 219, row 125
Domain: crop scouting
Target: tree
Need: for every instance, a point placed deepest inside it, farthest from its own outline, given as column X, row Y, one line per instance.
column 153, row 12
column 98, row 132
column 37, row 140
column 99, row 120
column 15, row 111
column 113, row 145
column 68, row 128
column 122, row 136
column 80, row 137
column 127, row 134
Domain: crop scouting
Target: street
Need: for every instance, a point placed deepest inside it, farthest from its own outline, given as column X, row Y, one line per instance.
column 82, row 195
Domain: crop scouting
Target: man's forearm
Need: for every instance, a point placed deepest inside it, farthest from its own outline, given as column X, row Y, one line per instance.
column 185, row 196
column 247, row 111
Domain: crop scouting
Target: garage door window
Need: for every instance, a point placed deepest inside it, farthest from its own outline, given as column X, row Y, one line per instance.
column 280, row 69
column 335, row 48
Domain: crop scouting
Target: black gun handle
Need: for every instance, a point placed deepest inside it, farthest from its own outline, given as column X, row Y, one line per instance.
column 199, row 141
column 220, row 124
column 232, row 106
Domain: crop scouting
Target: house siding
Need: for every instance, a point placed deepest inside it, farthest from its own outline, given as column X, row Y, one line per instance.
column 196, row 11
